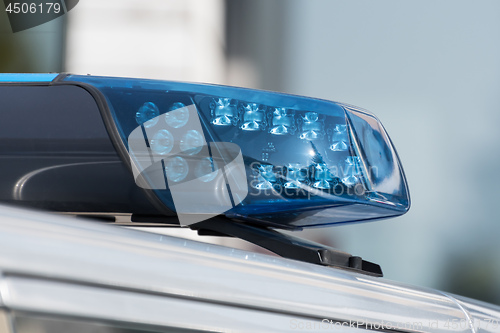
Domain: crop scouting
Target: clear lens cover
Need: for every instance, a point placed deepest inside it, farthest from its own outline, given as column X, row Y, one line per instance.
column 275, row 159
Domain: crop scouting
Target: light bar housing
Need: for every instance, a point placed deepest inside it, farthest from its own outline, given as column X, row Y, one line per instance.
column 306, row 162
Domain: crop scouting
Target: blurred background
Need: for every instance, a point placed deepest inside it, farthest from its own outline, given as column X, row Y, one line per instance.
column 429, row 70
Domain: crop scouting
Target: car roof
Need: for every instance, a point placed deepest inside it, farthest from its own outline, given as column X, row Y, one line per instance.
column 43, row 246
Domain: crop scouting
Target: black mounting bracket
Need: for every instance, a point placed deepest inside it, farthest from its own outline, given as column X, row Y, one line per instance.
column 286, row 246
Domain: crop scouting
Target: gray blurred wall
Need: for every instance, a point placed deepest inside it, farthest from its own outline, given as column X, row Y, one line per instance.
column 431, row 71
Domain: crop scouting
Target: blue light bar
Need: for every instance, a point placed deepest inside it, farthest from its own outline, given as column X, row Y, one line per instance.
column 27, row 77
column 305, row 162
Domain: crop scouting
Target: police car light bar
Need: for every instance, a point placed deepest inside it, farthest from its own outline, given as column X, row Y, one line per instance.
column 266, row 158
column 251, row 155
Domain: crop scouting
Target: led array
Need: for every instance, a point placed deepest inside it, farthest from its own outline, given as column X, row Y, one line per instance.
column 162, row 142
column 252, row 117
column 282, row 158
column 277, row 121
column 296, row 176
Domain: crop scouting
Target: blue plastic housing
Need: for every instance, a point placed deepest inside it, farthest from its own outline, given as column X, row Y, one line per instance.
column 308, row 162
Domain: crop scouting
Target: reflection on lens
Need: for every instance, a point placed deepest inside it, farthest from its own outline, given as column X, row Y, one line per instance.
column 206, row 170
column 147, row 114
column 162, row 142
column 177, row 116
column 192, row 142
column 176, row 169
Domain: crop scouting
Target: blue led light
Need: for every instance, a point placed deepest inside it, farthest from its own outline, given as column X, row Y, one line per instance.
column 340, row 141
column 147, row 114
column 296, row 174
column 177, row 116
column 254, row 117
column 306, row 162
column 282, row 122
column 312, row 128
column 192, row 142
column 265, row 177
column 351, row 171
column 162, row 142
column 224, row 111
column 206, row 170
column 176, row 169
column 322, row 176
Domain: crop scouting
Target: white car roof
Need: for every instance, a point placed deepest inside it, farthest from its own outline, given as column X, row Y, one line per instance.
column 41, row 250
